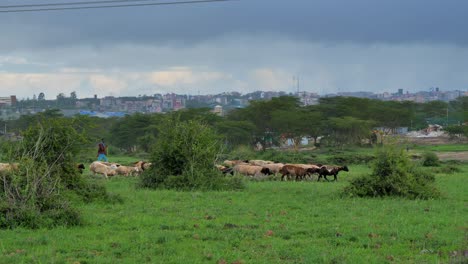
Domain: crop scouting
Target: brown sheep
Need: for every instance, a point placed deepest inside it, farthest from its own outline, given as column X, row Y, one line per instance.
column 331, row 170
column 315, row 168
column 298, row 172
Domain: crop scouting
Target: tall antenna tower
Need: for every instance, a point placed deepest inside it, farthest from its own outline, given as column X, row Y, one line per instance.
column 296, row 83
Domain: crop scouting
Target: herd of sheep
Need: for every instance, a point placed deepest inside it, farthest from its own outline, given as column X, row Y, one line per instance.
column 252, row 168
column 97, row 167
column 257, row 168
column 111, row 169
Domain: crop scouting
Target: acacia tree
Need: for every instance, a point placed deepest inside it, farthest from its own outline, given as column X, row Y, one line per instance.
column 296, row 124
column 348, row 130
column 260, row 114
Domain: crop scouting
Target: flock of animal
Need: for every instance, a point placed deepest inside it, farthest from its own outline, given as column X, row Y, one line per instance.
column 110, row 169
column 97, row 167
column 255, row 168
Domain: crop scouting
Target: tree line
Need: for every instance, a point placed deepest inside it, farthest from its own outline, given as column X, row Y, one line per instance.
column 337, row 121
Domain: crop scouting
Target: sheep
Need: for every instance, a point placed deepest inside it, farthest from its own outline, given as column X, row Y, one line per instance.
column 331, row 170
column 225, row 170
column 127, row 170
column 251, row 170
column 7, row 167
column 142, row 165
column 314, row 168
column 101, row 168
column 232, row 163
column 260, row 162
column 109, row 163
column 274, row 167
column 297, row 171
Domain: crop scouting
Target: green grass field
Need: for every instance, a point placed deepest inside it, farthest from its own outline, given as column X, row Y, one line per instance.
column 269, row 222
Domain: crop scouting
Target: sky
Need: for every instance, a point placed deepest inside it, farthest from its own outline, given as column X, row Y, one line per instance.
column 243, row 45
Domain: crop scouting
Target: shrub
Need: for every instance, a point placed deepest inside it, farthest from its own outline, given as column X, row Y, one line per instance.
column 183, row 159
column 430, row 159
column 33, row 197
column 40, row 192
column 394, row 175
column 448, row 169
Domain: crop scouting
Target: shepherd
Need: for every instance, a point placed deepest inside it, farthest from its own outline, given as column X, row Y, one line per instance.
column 102, row 151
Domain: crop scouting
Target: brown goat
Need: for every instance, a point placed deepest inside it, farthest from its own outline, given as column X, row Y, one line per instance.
column 324, row 171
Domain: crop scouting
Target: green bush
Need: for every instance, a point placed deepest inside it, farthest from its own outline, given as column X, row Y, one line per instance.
column 183, row 159
column 430, row 159
column 448, row 169
column 394, row 175
column 40, row 192
column 33, row 198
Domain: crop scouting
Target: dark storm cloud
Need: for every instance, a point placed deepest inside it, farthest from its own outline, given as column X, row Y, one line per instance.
column 330, row 21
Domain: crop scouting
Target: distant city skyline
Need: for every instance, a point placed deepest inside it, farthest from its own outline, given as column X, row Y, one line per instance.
column 396, row 91
column 247, row 45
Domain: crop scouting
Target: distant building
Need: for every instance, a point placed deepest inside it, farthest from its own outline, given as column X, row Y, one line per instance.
column 8, row 101
column 218, row 110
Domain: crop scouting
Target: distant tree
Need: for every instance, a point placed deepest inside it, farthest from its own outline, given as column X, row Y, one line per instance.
column 259, row 113
column 294, row 124
column 60, row 96
column 236, row 132
column 73, row 95
column 348, row 130
column 457, row 131
column 435, row 109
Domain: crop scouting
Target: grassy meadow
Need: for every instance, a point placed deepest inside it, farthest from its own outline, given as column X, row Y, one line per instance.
column 269, row 222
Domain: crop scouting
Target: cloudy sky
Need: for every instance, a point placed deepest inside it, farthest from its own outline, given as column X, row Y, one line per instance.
column 244, row 45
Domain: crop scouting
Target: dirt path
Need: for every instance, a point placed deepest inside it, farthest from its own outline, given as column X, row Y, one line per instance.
column 461, row 156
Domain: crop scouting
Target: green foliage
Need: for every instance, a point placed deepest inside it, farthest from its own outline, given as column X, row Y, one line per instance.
column 448, row 169
column 394, row 175
column 38, row 192
column 351, row 158
column 347, row 130
column 183, row 158
column 457, row 131
column 242, row 152
column 430, row 159
column 33, row 197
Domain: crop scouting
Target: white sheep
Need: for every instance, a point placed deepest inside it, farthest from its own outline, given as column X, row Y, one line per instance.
column 274, row 167
column 142, row 165
column 251, row 170
column 6, row 167
column 260, row 162
column 101, row 168
column 127, row 170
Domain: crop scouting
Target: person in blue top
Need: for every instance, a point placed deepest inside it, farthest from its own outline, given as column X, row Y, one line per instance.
column 102, row 151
